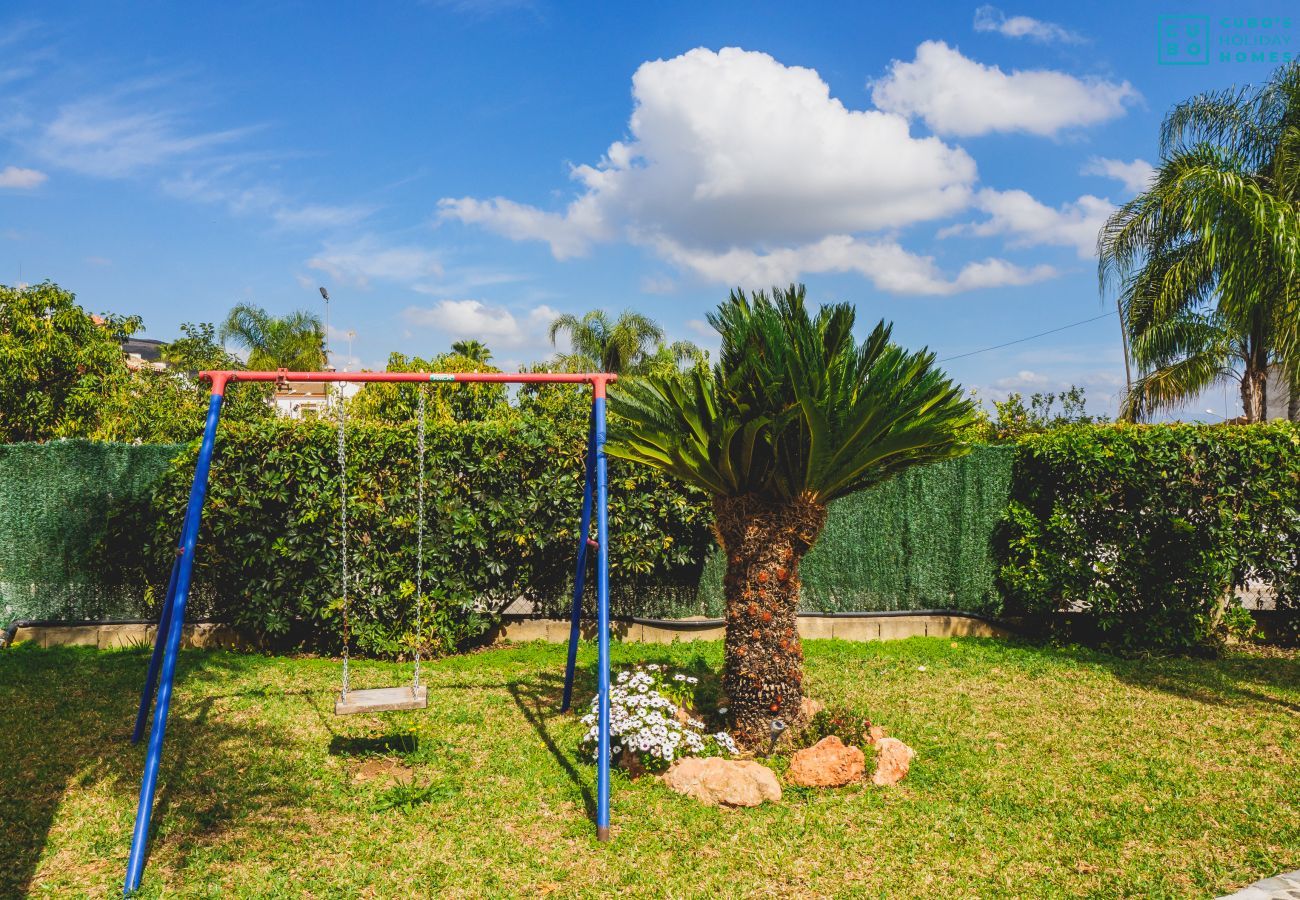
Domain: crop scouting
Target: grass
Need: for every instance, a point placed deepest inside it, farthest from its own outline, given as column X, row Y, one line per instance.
column 1040, row 772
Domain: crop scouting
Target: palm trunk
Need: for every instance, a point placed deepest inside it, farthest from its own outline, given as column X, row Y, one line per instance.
column 763, row 671
column 1254, row 387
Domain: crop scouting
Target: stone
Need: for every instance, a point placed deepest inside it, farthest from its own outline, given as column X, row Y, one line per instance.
column 808, row 707
column 827, row 763
column 893, row 758
column 876, row 734
column 723, row 782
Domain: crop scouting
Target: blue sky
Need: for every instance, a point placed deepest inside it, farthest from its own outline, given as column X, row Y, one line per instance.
column 469, row 169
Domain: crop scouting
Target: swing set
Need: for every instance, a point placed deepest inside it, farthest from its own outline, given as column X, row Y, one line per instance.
column 162, row 664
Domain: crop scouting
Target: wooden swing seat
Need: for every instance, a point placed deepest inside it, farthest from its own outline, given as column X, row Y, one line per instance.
column 381, row 700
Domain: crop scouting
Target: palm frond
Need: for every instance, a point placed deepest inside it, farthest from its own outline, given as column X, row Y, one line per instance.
column 794, row 407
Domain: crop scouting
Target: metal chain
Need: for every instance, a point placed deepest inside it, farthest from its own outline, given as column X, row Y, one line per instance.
column 419, row 549
column 343, row 540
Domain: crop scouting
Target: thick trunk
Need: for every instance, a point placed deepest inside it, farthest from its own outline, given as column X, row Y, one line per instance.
column 1254, row 384
column 763, row 672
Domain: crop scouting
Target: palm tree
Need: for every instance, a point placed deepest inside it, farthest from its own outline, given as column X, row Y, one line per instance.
column 598, row 344
column 793, row 415
column 1205, row 260
column 295, row 341
column 472, row 350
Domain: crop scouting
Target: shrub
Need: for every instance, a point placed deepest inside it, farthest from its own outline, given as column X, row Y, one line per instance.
column 650, row 719
column 1146, row 532
column 502, row 505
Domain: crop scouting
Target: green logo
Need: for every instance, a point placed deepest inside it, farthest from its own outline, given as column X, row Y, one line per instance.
column 441, row 376
column 1183, row 40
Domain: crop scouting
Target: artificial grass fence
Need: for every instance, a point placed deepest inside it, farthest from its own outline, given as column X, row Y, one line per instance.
column 57, row 501
column 1041, row 772
column 75, row 516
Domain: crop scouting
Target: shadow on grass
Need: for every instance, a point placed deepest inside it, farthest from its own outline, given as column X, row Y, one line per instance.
column 538, row 698
column 1244, row 676
column 1263, row 681
column 385, row 745
column 66, row 715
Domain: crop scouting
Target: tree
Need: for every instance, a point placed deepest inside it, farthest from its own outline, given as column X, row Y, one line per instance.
column 58, row 363
column 793, row 415
column 604, row 346
column 1205, row 260
column 295, row 342
column 199, row 350
column 1014, row 419
column 170, row 406
column 398, row 403
column 476, row 351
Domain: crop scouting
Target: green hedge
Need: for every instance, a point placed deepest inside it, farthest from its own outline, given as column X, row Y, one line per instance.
column 57, row 504
column 1142, row 531
column 503, row 500
column 1146, row 531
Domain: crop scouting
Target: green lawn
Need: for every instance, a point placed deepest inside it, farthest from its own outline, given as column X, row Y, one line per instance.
column 1040, row 773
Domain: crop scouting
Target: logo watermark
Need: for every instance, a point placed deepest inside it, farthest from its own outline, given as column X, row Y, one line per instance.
column 1194, row 40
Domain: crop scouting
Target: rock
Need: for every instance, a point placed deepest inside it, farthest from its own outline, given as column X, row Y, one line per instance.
column 827, row 763
column 877, row 733
column 723, row 782
column 808, row 707
column 893, row 758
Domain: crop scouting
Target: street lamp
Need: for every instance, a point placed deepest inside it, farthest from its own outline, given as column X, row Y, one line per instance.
column 326, row 295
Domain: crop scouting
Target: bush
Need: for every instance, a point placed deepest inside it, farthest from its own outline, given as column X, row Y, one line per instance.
column 854, row 729
column 502, row 504
column 1146, row 532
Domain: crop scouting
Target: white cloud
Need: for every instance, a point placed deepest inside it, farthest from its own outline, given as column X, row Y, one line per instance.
column 886, row 264
column 658, row 284
column 217, row 186
column 954, row 95
column 738, row 164
column 14, row 178
column 990, row 18
column 701, row 328
column 367, row 259
column 1135, row 175
column 317, row 216
column 492, row 324
column 1029, row 223
column 98, row 137
column 569, row 233
column 1102, row 387
column 1025, row 379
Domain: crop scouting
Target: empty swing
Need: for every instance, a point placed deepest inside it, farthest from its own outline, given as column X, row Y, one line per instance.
column 387, row 699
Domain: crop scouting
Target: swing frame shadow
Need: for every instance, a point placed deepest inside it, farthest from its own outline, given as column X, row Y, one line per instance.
column 162, row 663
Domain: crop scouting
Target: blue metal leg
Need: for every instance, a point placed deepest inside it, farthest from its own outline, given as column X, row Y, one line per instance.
column 151, row 680
column 185, row 570
column 580, row 574
column 602, row 619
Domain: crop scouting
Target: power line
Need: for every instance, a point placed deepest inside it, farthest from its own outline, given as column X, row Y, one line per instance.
column 1030, row 338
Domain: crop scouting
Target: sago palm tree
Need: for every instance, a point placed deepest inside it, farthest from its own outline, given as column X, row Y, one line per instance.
column 599, row 344
column 793, row 415
column 1204, row 261
column 477, row 351
column 295, row 341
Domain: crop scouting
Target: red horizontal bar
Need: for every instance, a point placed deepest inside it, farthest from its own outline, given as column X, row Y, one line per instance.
column 598, row 379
